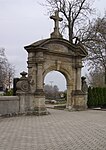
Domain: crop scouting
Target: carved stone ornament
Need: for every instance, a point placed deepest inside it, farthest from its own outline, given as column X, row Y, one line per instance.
column 23, row 84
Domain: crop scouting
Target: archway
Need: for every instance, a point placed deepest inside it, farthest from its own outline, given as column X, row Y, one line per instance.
column 54, row 53
column 55, row 87
column 68, row 81
column 56, row 78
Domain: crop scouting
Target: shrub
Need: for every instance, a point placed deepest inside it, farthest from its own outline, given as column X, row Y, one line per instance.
column 96, row 97
column 9, row 93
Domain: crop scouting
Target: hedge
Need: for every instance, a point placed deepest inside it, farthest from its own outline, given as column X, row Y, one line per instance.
column 96, row 97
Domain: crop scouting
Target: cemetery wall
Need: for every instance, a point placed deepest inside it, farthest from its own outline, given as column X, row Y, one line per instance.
column 9, row 105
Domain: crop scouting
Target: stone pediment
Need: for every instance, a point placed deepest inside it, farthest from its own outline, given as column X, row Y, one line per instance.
column 57, row 45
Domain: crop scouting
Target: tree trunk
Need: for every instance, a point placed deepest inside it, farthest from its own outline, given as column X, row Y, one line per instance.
column 70, row 31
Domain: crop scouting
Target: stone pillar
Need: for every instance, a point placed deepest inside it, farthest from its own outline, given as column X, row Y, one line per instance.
column 32, row 77
column 32, row 71
column 69, row 100
column 68, row 96
column 39, row 83
column 78, row 96
column 23, row 93
column 78, row 79
column 39, row 97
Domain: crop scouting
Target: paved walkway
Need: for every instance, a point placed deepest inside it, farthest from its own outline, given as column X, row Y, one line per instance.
column 61, row 130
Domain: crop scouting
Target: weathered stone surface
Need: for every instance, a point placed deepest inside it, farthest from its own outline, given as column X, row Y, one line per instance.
column 56, row 54
column 59, row 55
column 56, row 19
column 52, row 54
column 9, row 104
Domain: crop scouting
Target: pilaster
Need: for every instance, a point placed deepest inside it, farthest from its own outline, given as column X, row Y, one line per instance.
column 78, row 78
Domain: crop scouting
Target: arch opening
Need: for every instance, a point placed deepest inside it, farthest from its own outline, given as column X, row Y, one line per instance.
column 55, row 87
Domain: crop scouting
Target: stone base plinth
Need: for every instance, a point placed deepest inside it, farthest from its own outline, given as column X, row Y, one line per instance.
column 32, row 104
column 39, row 107
column 78, row 101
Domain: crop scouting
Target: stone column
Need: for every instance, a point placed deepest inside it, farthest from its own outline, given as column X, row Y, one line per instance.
column 78, row 96
column 32, row 78
column 69, row 100
column 39, row 80
column 78, row 79
column 39, row 98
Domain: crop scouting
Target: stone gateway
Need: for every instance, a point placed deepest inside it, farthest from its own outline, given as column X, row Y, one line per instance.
column 53, row 54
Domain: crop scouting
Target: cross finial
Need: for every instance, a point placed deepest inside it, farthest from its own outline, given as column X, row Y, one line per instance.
column 56, row 19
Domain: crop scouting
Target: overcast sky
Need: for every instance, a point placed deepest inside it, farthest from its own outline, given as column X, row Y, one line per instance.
column 23, row 22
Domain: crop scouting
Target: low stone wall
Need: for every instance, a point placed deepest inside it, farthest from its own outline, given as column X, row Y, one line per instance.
column 9, row 105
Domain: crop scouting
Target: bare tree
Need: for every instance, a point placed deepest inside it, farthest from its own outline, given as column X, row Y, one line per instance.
column 10, row 75
column 96, row 45
column 77, row 20
column 6, row 70
column 75, row 14
column 95, row 79
column 51, row 92
column 3, row 62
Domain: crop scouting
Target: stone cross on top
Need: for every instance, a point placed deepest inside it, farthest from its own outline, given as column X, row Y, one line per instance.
column 56, row 18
